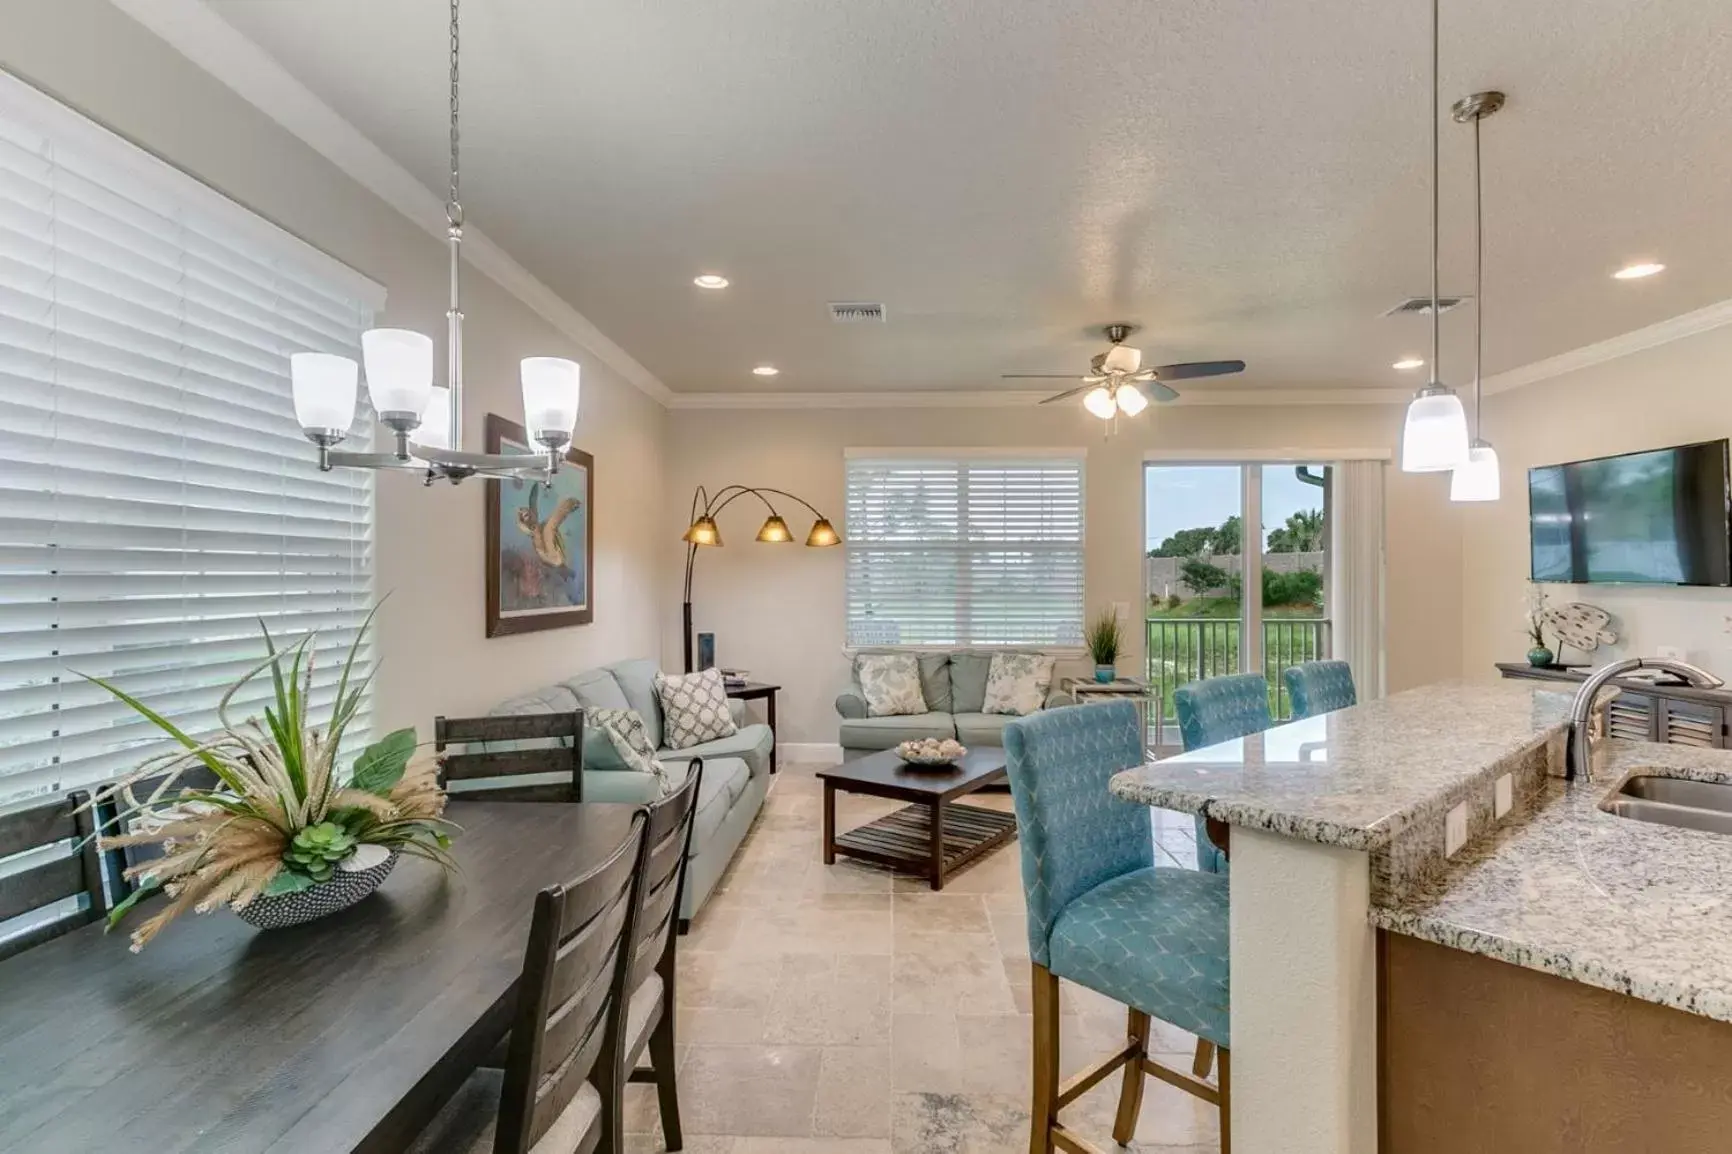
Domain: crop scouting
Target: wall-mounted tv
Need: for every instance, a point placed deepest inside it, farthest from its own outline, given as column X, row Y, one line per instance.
column 1663, row 517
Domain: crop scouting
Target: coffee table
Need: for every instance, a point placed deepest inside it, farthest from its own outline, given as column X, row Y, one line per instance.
column 931, row 836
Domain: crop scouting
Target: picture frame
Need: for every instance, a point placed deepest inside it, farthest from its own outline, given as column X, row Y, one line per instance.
column 539, row 543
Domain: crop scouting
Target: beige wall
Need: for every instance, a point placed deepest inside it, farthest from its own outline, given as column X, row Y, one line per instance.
column 1672, row 394
column 437, row 658
column 778, row 611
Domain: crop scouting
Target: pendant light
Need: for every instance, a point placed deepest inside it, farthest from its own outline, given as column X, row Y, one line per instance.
column 1434, row 437
column 1477, row 478
column 427, row 421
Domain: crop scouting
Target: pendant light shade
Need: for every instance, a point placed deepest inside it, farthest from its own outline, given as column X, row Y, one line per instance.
column 775, row 530
column 823, row 534
column 703, row 531
column 550, row 394
column 1477, row 480
column 435, row 430
column 1434, row 438
column 325, row 388
column 1100, row 402
column 1131, row 400
column 399, row 371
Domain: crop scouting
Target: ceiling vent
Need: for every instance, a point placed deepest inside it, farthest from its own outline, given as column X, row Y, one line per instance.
column 1421, row 306
column 855, row 312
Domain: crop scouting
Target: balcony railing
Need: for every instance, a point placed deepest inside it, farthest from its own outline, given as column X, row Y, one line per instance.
column 1185, row 649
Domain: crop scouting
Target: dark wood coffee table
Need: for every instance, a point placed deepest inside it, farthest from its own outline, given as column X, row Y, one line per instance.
column 932, row 836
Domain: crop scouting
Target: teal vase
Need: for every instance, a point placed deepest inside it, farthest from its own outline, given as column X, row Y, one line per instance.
column 1539, row 655
column 1105, row 674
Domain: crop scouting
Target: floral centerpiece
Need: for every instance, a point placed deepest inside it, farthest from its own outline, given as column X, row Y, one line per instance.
column 283, row 836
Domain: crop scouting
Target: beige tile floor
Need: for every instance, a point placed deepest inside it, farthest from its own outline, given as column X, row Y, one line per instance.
column 847, row 1010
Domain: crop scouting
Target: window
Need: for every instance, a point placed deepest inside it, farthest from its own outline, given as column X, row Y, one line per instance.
column 965, row 550
column 157, row 499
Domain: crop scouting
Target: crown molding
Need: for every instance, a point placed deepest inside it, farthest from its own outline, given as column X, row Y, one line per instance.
column 981, row 399
column 216, row 46
column 1652, row 336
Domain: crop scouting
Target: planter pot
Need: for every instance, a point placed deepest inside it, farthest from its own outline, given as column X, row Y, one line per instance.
column 349, row 884
column 1539, row 655
column 1105, row 673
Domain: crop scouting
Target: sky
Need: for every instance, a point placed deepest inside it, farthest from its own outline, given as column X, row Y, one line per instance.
column 1192, row 496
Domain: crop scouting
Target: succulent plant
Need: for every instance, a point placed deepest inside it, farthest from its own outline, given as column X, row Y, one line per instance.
column 317, row 849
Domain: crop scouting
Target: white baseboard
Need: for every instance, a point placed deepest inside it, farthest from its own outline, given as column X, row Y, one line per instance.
column 809, row 752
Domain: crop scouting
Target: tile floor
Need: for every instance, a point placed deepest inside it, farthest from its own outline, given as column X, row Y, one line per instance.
column 847, row 1010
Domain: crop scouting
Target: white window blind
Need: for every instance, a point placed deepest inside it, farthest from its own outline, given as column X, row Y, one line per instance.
column 967, row 551
column 157, row 498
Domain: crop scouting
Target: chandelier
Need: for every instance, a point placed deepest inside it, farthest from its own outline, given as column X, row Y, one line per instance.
column 427, row 420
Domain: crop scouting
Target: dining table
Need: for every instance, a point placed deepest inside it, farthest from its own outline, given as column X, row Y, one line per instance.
column 341, row 1034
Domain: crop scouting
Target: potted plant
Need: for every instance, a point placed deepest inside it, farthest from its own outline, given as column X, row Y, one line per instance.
column 284, row 836
column 1539, row 654
column 1105, row 639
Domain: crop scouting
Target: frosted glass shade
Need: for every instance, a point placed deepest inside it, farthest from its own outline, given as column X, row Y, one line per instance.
column 1123, row 359
column 775, row 531
column 550, row 395
column 1100, row 402
column 1434, row 438
column 325, row 390
column 399, row 369
column 1131, row 400
column 1477, row 479
column 435, row 430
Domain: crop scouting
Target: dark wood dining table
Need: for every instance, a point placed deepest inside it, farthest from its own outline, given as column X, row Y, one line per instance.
column 341, row 1034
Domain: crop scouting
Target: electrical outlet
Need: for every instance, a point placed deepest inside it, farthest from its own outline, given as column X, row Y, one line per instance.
column 1505, row 796
column 1455, row 830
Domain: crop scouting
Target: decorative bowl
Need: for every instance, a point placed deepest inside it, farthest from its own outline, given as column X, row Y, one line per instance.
column 346, row 886
column 932, row 752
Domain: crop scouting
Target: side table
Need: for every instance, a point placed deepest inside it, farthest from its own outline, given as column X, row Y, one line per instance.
column 756, row 690
column 1147, row 697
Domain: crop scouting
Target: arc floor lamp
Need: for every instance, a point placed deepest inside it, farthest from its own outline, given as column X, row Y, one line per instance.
column 703, row 531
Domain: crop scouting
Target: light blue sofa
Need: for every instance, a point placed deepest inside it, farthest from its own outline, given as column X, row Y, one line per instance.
column 736, row 768
column 954, row 686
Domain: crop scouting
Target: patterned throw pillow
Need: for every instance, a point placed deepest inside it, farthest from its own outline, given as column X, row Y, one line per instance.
column 694, row 708
column 625, row 729
column 1017, row 683
column 890, row 682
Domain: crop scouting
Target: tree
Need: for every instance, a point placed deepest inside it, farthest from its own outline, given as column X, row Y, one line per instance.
column 1184, row 543
column 1225, row 538
column 1201, row 576
column 1302, row 533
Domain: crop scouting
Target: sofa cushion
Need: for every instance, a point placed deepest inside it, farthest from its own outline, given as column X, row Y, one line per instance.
column 935, row 681
column 724, row 783
column 547, row 699
column 636, row 679
column 968, row 673
column 1017, row 683
column 889, row 732
column 974, row 729
column 624, row 730
column 890, row 682
column 752, row 743
column 695, row 708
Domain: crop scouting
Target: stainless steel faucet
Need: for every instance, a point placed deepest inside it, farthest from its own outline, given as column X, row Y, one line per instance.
column 1581, row 751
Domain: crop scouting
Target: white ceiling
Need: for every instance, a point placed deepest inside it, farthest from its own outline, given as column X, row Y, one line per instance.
column 1244, row 180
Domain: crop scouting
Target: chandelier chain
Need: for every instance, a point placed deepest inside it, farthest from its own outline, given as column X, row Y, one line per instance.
column 454, row 208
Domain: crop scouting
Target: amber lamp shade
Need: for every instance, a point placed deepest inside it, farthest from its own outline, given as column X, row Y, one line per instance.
column 704, row 532
column 775, row 531
column 823, row 533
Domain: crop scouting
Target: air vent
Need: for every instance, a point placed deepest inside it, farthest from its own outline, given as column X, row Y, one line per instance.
column 1421, row 306
column 854, row 312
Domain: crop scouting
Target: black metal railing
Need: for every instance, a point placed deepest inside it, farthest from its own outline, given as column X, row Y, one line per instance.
column 1182, row 649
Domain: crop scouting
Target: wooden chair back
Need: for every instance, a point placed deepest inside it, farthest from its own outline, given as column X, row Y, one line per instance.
column 572, row 997
column 32, row 826
column 667, row 841
column 467, row 774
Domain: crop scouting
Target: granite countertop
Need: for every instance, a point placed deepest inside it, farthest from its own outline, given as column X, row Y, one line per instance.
column 1359, row 777
column 1563, row 887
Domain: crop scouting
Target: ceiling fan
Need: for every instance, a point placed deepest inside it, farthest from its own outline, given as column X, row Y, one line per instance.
column 1117, row 383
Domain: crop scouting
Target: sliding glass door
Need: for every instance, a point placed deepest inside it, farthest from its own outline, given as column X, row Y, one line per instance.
column 1220, row 600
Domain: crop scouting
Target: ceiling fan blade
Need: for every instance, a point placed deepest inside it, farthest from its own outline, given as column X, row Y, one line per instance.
column 1189, row 369
column 1066, row 394
column 1038, row 376
column 1160, row 392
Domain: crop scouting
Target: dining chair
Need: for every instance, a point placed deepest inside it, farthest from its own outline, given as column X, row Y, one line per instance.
column 1316, row 687
column 57, row 876
column 649, row 1019
column 550, row 1097
column 506, row 767
column 1215, row 710
column 1102, row 914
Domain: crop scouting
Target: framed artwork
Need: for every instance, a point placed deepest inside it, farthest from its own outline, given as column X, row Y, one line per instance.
column 540, row 544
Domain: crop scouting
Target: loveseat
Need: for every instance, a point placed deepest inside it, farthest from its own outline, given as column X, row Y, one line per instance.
column 954, row 686
column 736, row 768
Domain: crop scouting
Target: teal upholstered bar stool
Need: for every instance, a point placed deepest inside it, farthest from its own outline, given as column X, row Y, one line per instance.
column 1319, row 687
column 1103, row 915
column 1215, row 710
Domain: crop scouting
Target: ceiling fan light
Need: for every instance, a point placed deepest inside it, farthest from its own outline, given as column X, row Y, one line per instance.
column 1131, row 400
column 399, row 370
column 1099, row 401
column 325, row 390
column 1434, row 437
column 1477, row 478
column 1123, row 359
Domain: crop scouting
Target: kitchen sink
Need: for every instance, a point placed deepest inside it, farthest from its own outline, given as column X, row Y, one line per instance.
column 1702, row 805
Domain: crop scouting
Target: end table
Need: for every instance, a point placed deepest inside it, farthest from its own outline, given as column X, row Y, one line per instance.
column 753, row 691
column 1147, row 697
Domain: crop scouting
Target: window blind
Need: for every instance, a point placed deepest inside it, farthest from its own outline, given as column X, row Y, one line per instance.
column 968, row 551
column 157, row 499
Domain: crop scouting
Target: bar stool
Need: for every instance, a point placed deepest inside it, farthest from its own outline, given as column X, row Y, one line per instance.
column 1319, row 687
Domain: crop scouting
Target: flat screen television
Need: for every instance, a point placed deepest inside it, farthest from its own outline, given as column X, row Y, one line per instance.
column 1655, row 518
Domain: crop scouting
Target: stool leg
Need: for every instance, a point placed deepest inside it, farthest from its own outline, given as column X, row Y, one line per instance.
column 1131, row 1092
column 1046, row 1024
column 1204, row 1059
column 1226, row 1063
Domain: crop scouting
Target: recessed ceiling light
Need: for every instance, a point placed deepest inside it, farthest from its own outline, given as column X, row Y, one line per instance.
column 766, row 370
column 1638, row 271
column 710, row 280
column 1406, row 363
